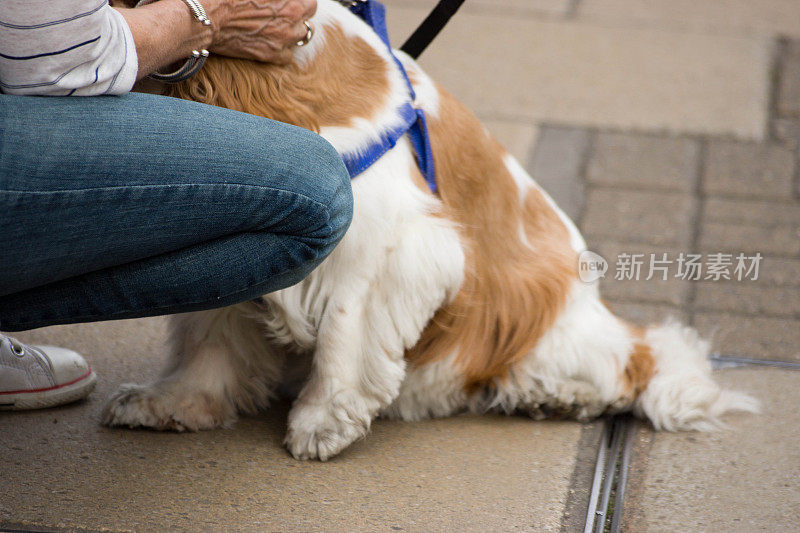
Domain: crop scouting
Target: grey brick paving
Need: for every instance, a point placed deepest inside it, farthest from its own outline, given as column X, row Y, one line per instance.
column 643, row 198
column 752, row 212
column 780, row 271
column 659, row 218
column 738, row 225
column 664, row 163
column 751, row 336
column 789, row 82
column 749, row 170
column 727, row 237
column 786, row 130
column 555, row 164
column 672, row 291
column 748, row 297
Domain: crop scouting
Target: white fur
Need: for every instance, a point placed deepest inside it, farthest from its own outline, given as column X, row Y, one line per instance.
column 424, row 87
column 395, row 267
column 682, row 395
column 430, row 391
column 338, row 338
column 219, row 366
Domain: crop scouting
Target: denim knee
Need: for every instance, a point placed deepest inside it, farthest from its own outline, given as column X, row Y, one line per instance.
column 340, row 203
column 320, row 175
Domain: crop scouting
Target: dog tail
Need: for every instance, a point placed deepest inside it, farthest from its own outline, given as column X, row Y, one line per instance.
column 670, row 374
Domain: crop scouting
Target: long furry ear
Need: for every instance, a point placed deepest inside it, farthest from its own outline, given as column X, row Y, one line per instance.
column 271, row 91
column 345, row 79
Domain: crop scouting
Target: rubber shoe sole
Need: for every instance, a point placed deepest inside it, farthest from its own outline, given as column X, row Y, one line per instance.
column 72, row 391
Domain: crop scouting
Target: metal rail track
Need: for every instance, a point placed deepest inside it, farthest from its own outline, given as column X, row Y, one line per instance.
column 727, row 361
column 610, row 475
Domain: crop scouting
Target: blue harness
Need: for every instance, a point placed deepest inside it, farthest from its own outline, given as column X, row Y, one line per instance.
column 414, row 123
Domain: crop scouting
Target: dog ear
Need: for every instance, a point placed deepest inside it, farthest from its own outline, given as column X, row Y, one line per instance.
column 278, row 92
column 345, row 78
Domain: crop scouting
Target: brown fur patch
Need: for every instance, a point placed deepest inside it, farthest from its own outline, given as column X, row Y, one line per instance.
column 345, row 80
column 639, row 370
column 511, row 293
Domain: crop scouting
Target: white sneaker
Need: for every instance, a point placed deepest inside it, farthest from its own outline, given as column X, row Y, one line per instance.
column 35, row 377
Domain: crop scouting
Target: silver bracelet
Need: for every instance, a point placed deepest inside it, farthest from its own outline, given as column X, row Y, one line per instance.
column 199, row 13
column 198, row 57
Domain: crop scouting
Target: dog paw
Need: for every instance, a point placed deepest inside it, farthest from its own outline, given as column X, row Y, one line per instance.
column 321, row 431
column 138, row 406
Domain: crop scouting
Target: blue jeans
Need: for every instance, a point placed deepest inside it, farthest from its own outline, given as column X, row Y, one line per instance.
column 141, row 205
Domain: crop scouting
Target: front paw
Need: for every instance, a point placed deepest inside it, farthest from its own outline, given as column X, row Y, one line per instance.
column 151, row 407
column 322, row 430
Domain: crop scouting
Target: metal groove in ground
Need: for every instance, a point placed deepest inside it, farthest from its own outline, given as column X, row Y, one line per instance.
column 609, row 474
column 727, row 361
column 622, row 484
column 613, row 450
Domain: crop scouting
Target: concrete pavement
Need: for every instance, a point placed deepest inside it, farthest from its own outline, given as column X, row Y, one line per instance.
column 661, row 127
column 740, row 480
column 61, row 469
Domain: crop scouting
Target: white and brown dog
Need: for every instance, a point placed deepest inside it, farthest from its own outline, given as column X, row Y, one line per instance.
column 433, row 304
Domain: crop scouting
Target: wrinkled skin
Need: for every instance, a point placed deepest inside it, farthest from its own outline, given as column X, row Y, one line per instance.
column 264, row 30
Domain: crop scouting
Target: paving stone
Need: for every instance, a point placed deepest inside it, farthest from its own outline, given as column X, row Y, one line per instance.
column 732, row 225
column 786, row 130
column 61, row 469
column 789, row 81
column 748, row 169
column 749, row 239
column 660, row 218
column 749, row 297
column 736, row 17
column 645, row 314
column 522, row 7
column 565, row 72
column 752, row 212
column 651, row 162
column 750, row 336
column 556, row 166
column 743, row 479
column 780, row 271
column 517, row 137
column 671, row 291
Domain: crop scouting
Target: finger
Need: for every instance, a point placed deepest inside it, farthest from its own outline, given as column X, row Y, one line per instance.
column 298, row 10
column 310, row 8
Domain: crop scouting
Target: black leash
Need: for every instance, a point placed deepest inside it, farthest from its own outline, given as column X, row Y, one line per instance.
column 430, row 27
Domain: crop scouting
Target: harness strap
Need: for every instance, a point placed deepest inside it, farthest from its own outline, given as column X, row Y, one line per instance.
column 414, row 121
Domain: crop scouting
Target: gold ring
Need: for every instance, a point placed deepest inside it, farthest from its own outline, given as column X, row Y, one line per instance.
column 309, row 33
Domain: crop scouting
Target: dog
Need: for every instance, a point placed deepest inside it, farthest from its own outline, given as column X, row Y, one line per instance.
column 467, row 299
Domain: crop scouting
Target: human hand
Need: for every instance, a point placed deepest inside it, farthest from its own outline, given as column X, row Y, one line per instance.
column 264, row 30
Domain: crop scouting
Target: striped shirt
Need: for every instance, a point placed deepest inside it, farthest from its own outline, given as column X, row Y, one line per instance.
column 65, row 47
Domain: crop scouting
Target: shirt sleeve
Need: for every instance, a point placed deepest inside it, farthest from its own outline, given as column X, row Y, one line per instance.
column 66, row 47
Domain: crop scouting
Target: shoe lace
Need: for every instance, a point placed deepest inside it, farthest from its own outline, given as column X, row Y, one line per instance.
column 17, row 347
